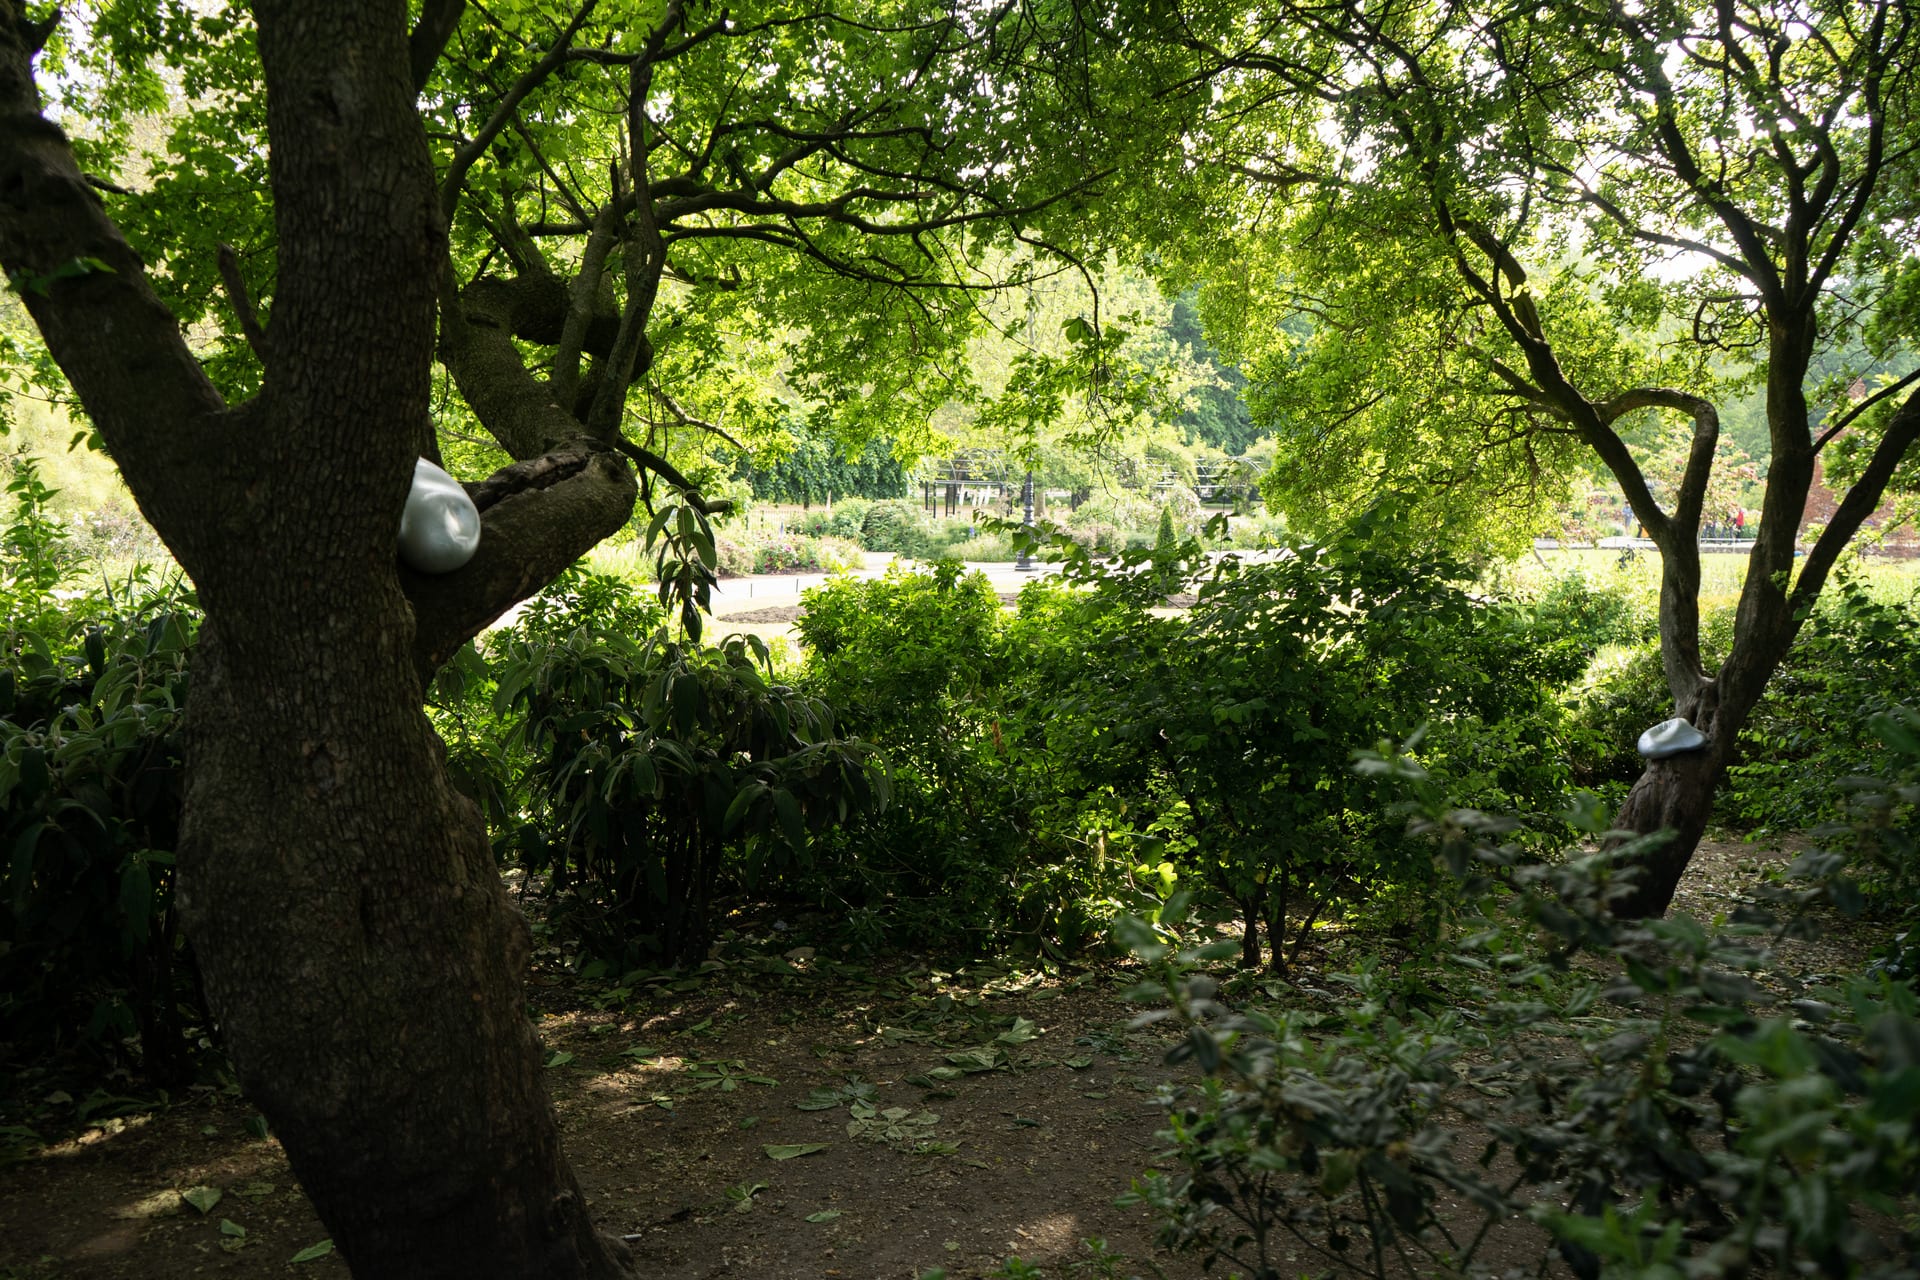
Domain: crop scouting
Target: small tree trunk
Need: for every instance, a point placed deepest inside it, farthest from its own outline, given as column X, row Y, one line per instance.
column 1675, row 794
column 1279, row 894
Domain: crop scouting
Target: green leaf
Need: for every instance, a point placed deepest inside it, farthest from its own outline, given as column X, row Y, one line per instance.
column 228, row 1227
column 313, row 1252
column 825, row 1215
column 201, row 1198
column 1021, row 1032
column 820, row 1100
column 793, row 1150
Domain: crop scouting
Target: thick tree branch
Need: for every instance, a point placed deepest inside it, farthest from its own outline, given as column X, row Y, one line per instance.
column 1878, row 59
column 438, row 21
column 88, row 294
column 1863, row 497
column 538, row 516
column 584, row 298
column 477, row 346
column 645, row 259
column 1690, row 501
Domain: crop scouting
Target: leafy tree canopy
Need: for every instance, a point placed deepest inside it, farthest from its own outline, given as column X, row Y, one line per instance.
column 675, row 216
column 1451, row 219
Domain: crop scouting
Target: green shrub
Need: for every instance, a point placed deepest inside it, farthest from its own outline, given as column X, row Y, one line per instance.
column 1593, row 616
column 662, row 775
column 1623, row 693
column 848, row 519
column 1649, row 1108
column 802, row 554
column 1257, row 533
column 1056, row 764
column 735, row 555
column 979, row 847
column 1880, row 829
column 1209, row 748
column 36, row 553
column 1853, row 660
column 1120, row 509
column 894, row 524
column 90, row 950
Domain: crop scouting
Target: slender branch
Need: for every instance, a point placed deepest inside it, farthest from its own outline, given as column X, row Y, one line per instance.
column 529, row 80
column 653, row 462
column 1892, row 388
column 256, row 336
column 686, row 419
column 1863, row 496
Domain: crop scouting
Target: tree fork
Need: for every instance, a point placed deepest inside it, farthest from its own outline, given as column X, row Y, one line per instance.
column 359, row 951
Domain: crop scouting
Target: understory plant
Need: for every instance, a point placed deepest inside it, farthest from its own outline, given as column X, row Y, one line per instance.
column 1855, row 658
column 1216, row 740
column 660, row 773
column 1656, row 1098
column 91, row 688
column 91, row 953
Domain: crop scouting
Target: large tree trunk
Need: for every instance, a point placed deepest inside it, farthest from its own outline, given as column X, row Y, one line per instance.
column 358, row 951
column 364, row 962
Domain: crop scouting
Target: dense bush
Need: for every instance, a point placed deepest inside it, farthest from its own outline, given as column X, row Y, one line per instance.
column 1059, row 762
column 1651, row 1108
column 1257, row 533
column 90, row 949
column 1590, row 617
column 894, row 524
column 846, row 519
column 1854, row 659
column 916, row 661
column 91, row 691
column 1233, row 724
column 658, row 775
column 1623, row 692
column 787, row 554
column 819, row 470
column 1881, row 831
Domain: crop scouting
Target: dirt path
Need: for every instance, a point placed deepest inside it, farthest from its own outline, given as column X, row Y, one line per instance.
column 693, row 1114
column 777, row 1114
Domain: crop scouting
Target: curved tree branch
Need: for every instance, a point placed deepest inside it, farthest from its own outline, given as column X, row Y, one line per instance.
column 88, row 294
column 1862, row 498
column 537, row 517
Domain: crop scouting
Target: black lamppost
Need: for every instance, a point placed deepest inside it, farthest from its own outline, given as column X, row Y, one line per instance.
column 1024, row 563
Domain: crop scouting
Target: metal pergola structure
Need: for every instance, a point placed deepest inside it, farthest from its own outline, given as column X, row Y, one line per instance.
column 981, row 476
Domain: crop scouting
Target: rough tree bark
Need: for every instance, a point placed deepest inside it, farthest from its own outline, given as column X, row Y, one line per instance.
column 1788, row 268
column 1677, row 794
column 359, row 952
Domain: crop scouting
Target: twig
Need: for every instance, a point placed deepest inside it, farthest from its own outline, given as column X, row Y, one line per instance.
column 242, row 305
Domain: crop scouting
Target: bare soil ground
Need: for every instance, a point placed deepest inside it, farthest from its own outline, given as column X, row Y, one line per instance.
column 778, row 1114
column 774, row 1115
